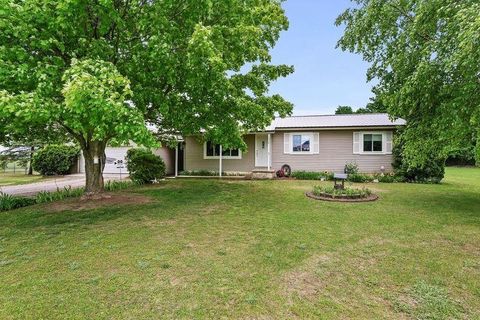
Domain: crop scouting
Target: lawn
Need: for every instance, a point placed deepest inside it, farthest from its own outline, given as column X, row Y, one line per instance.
column 9, row 178
column 248, row 249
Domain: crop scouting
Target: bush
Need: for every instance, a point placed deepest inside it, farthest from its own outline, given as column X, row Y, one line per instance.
column 388, row 178
column 461, row 157
column 351, row 168
column 311, row 175
column 144, row 166
column 200, row 173
column 54, row 159
column 431, row 171
column 211, row 173
column 358, row 177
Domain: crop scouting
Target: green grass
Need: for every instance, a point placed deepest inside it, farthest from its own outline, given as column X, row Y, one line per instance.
column 249, row 249
column 9, row 178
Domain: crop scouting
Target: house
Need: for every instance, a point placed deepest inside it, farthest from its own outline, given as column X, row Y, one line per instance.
column 311, row 143
column 116, row 160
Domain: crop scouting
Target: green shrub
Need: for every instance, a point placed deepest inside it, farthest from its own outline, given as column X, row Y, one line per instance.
column 311, row 175
column 351, row 168
column 461, row 156
column 144, row 166
column 54, row 159
column 210, row 173
column 431, row 171
column 9, row 202
column 361, row 178
column 204, row 173
column 388, row 178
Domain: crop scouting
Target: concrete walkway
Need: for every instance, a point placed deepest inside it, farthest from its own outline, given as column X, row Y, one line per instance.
column 73, row 180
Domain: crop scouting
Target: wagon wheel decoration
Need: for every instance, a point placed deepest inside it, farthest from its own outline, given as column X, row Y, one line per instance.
column 287, row 171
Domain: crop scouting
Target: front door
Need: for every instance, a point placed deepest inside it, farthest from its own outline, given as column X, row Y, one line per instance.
column 261, row 150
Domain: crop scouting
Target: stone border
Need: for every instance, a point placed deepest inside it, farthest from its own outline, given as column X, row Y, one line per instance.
column 372, row 197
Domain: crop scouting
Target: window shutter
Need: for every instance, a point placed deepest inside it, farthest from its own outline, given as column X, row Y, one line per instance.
column 287, row 148
column 316, row 143
column 356, row 142
column 388, row 142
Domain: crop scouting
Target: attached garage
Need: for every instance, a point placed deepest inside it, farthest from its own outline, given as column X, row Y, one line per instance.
column 116, row 160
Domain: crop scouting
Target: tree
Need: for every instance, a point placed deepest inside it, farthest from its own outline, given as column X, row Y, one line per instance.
column 94, row 112
column 344, row 110
column 194, row 66
column 370, row 108
column 22, row 145
column 425, row 54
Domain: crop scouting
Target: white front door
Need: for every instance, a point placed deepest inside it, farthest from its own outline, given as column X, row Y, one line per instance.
column 261, row 150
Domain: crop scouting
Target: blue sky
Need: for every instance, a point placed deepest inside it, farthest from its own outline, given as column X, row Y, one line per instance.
column 324, row 77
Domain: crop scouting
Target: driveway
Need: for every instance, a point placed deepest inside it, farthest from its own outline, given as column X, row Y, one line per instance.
column 73, row 180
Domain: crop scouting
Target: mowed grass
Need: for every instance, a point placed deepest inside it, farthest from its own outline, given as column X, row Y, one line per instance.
column 249, row 250
column 10, row 178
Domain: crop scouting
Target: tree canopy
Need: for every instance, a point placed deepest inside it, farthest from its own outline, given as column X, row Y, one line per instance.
column 344, row 110
column 192, row 66
column 182, row 58
column 426, row 56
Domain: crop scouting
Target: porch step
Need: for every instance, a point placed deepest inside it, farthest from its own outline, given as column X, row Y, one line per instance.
column 262, row 174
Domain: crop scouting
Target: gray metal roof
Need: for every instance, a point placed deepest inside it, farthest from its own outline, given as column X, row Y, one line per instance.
column 335, row 121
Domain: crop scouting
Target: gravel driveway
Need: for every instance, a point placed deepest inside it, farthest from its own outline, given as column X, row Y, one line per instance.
column 73, row 180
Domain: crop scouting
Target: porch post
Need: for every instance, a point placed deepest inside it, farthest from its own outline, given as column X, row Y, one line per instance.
column 220, row 163
column 268, row 151
column 176, row 160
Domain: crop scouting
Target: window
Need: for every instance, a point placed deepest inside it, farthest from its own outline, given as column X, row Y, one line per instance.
column 212, row 151
column 301, row 143
column 373, row 142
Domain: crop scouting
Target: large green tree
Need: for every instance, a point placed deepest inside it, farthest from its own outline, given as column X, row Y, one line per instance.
column 426, row 56
column 194, row 66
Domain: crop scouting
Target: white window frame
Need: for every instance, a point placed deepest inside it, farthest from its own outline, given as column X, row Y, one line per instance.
column 239, row 157
column 384, row 141
column 310, row 134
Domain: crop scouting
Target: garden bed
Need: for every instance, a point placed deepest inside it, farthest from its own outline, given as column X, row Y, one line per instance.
column 371, row 197
column 341, row 195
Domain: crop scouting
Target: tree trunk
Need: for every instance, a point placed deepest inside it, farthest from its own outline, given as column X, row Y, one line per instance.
column 94, row 154
column 30, row 169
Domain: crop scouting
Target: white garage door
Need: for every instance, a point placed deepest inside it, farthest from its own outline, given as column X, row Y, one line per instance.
column 115, row 159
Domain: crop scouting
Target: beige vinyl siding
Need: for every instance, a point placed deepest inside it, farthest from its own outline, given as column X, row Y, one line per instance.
column 194, row 157
column 168, row 156
column 335, row 150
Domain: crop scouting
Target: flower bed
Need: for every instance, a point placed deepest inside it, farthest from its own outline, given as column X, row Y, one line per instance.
column 345, row 195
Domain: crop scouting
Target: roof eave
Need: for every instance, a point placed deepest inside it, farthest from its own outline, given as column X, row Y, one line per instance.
column 339, row 127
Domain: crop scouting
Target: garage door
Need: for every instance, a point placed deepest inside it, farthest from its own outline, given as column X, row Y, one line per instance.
column 115, row 163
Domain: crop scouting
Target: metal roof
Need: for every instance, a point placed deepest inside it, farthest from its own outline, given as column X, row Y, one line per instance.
column 335, row 121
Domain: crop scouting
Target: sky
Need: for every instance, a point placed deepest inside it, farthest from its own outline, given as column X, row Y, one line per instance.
column 324, row 77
